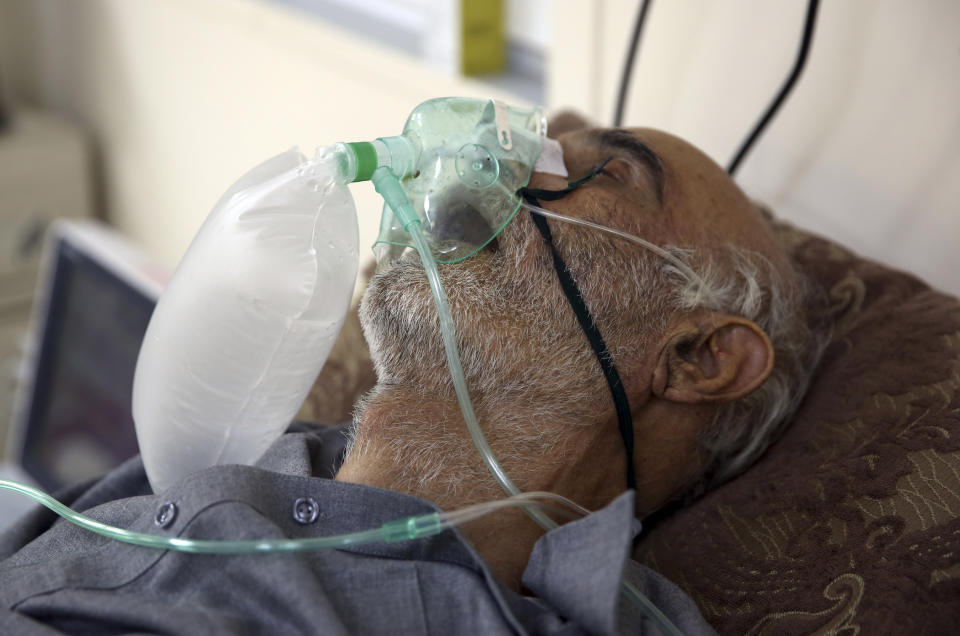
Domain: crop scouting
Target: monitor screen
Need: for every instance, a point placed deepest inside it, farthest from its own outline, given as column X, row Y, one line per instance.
column 79, row 417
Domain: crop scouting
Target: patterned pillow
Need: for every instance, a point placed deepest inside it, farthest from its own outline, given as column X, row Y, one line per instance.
column 850, row 523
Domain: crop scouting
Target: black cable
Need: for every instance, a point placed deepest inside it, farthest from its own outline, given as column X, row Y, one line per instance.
column 5, row 115
column 784, row 90
column 628, row 63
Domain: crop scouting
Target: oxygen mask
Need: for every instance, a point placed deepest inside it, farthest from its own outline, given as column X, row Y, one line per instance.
column 460, row 163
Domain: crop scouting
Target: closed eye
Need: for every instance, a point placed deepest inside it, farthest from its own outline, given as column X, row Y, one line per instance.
column 636, row 154
column 612, row 169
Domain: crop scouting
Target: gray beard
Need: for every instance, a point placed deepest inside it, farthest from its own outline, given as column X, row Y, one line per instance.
column 501, row 323
column 530, row 371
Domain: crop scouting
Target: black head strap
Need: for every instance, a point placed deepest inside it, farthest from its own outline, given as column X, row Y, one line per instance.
column 575, row 298
column 535, row 195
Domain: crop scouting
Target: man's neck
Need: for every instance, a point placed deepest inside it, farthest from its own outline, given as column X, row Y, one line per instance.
column 419, row 445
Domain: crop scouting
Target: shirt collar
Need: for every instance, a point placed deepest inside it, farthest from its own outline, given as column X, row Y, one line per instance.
column 578, row 567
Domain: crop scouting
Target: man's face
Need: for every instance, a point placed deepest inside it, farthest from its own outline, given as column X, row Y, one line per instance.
column 516, row 332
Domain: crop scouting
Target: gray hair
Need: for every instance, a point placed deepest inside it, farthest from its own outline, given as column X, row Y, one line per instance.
column 747, row 284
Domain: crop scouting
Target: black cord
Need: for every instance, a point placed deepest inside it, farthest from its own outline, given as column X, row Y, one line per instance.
column 5, row 115
column 628, row 63
column 784, row 90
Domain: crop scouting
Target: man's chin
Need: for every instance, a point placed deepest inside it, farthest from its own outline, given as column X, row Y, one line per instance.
column 399, row 322
column 402, row 327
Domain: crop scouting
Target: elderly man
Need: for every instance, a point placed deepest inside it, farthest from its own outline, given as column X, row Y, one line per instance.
column 710, row 373
column 711, row 366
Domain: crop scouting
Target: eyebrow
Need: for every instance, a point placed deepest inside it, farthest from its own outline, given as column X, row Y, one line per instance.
column 637, row 150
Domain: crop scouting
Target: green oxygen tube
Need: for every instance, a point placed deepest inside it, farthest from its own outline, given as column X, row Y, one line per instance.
column 398, row 530
column 385, row 162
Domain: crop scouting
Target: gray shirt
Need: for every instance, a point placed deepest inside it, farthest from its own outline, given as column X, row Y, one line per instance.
column 56, row 577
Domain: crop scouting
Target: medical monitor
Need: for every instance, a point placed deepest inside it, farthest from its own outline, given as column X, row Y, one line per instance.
column 73, row 416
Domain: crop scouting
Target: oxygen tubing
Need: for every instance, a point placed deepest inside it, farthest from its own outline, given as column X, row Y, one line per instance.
column 460, row 382
column 398, row 530
column 388, row 186
column 685, row 269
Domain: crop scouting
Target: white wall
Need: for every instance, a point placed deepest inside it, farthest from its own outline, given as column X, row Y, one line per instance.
column 184, row 95
column 866, row 150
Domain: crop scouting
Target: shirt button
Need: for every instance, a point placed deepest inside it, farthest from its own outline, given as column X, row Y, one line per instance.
column 166, row 514
column 305, row 510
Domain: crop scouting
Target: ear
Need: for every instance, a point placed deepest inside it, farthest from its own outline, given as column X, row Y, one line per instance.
column 717, row 359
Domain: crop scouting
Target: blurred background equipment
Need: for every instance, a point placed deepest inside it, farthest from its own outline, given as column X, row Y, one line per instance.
column 44, row 175
column 72, row 418
column 466, row 36
column 501, row 41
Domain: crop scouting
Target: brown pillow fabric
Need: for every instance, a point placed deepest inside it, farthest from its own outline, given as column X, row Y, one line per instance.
column 850, row 523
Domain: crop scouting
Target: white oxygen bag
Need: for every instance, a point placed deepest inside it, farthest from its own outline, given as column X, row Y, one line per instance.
column 248, row 319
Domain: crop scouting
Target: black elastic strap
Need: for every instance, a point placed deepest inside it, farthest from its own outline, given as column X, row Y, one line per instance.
column 575, row 298
column 533, row 195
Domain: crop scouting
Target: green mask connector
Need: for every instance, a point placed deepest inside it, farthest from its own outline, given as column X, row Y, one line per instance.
column 358, row 160
column 365, row 155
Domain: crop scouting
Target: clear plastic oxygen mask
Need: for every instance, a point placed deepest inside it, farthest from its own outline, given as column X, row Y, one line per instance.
column 460, row 163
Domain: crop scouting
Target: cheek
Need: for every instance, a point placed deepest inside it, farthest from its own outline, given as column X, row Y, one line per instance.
column 588, row 202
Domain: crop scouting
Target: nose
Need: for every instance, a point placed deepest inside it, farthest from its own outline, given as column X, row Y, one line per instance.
column 458, row 219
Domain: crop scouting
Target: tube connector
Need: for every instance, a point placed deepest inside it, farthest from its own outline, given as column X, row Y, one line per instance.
column 357, row 160
column 398, row 153
column 412, row 528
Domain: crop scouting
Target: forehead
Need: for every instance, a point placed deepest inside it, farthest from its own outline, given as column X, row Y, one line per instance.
column 632, row 185
column 661, row 155
column 666, row 188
